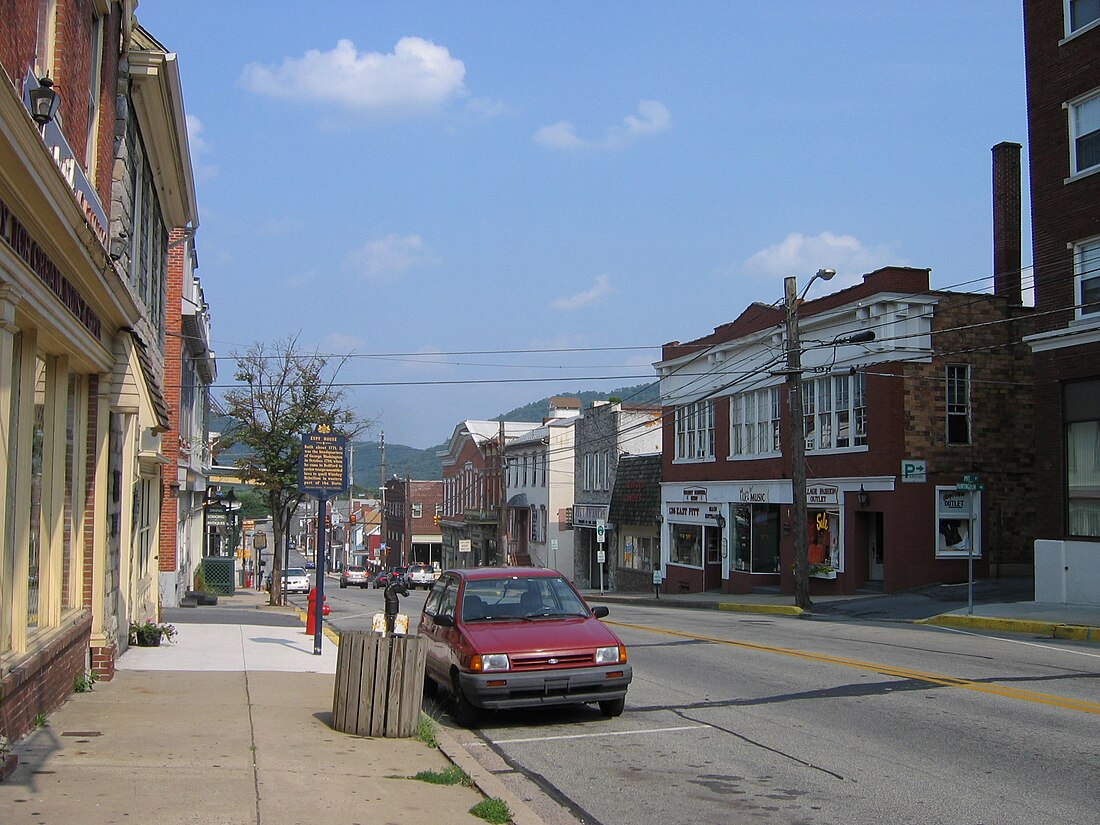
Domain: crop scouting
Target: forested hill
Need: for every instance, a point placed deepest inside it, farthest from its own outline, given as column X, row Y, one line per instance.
column 405, row 461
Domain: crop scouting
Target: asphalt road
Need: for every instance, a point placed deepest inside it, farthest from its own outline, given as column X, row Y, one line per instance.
column 761, row 719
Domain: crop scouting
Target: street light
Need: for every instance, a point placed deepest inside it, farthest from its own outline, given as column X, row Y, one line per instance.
column 44, row 101
column 791, row 299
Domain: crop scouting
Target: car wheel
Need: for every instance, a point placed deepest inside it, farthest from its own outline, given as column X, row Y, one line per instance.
column 463, row 712
column 613, row 707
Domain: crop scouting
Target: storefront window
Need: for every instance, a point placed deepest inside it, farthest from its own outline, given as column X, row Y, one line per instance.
column 823, row 534
column 687, row 545
column 756, row 538
column 958, row 523
column 641, row 552
column 34, row 547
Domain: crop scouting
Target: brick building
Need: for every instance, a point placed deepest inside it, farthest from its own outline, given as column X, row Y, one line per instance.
column 89, row 194
column 892, row 426
column 473, row 488
column 410, row 524
column 604, row 433
column 1062, row 44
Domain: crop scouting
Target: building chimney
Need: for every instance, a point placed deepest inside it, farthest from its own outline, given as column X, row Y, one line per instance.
column 1007, row 241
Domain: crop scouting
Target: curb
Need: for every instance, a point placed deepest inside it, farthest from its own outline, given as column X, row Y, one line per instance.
column 482, row 779
column 733, row 607
column 1055, row 630
column 774, row 609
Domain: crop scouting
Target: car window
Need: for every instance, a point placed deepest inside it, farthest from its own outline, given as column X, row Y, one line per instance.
column 431, row 606
column 520, row 597
column 294, row 571
column 449, row 599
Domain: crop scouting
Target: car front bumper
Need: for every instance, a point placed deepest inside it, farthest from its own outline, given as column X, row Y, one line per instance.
column 545, row 687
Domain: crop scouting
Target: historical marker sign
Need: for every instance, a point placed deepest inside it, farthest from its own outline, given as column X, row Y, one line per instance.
column 323, row 466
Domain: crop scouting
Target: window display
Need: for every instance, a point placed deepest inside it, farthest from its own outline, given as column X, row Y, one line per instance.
column 756, row 538
column 687, row 547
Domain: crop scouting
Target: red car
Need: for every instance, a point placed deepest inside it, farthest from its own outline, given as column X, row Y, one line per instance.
column 509, row 637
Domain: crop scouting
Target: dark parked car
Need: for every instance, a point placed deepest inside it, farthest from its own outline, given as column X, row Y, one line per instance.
column 520, row 637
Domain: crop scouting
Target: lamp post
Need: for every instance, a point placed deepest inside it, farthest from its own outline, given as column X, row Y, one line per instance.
column 791, row 299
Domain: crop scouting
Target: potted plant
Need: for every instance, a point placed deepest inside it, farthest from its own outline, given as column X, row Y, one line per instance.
column 149, row 633
column 822, row 571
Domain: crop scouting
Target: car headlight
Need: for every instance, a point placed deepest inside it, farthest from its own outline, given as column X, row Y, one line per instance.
column 490, row 662
column 610, row 655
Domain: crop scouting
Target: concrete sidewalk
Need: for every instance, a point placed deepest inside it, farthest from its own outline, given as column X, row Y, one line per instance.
column 229, row 724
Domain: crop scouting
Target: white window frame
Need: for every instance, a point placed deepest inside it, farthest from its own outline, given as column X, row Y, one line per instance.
column 755, row 430
column 953, row 505
column 1071, row 111
column 1068, row 15
column 955, row 405
column 694, row 428
column 1086, row 268
column 823, row 417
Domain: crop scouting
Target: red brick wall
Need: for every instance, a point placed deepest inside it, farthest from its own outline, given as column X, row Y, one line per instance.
column 18, row 38
column 1061, row 212
column 42, row 681
column 173, row 359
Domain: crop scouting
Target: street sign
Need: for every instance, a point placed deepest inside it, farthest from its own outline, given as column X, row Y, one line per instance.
column 464, row 545
column 914, row 471
column 322, row 465
column 601, row 556
column 601, row 529
column 970, row 487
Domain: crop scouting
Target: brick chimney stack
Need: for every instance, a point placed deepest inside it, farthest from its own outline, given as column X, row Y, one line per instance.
column 1007, row 240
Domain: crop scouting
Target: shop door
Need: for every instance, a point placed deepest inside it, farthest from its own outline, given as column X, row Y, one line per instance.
column 875, row 559
column 713, row 562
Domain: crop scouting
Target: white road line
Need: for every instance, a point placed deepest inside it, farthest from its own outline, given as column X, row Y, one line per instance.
column 588, row 735
column 1054, row 648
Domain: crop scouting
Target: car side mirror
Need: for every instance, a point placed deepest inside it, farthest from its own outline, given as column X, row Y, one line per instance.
column 600, row 611
column 445, row 621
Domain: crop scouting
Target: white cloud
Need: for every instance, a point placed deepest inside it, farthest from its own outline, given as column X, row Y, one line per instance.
column 651, row 117
column 391, row 256
column 801, row 255
column 580, row 300
column 416, row 75
column 199, row 147
column 194, row 135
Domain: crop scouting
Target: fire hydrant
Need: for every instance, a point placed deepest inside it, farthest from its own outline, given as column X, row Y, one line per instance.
column 311, row 624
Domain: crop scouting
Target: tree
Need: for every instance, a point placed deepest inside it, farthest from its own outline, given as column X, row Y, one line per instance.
column 283, row 393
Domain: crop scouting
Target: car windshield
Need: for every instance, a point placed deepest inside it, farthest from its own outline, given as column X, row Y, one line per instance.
column 520, row 597
column 294, row 571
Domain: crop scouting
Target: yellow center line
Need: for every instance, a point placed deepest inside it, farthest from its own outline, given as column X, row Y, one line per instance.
column 887, row 670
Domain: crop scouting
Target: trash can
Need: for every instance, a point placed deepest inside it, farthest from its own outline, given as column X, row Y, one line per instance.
column 379, row 684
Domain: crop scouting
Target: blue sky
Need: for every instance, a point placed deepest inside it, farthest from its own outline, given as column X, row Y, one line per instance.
column 406, row 181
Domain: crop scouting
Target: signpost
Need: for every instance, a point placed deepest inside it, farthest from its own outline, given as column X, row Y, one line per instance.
column 601, row 556
column 322, row 472
column 973, row 484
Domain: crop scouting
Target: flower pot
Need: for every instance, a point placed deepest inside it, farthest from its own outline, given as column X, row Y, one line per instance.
column 148, row 639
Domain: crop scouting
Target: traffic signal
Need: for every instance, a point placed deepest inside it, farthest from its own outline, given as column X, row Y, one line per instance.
column 436, row 520
column 352, row 518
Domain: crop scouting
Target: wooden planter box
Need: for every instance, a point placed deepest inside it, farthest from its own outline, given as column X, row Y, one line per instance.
column 379, row 684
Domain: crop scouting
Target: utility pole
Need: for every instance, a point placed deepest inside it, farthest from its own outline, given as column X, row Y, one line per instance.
column 502, row 509
column 798, row 446
column 382, row 496
column 791, row 299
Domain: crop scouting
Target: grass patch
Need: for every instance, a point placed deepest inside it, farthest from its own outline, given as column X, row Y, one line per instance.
column 425, row 731
column 453, row 775
column 492, row 810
